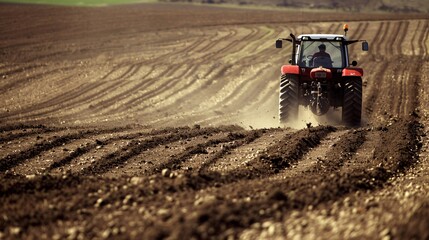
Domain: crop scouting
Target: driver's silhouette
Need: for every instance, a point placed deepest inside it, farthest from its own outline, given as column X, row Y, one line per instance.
column 322, row 58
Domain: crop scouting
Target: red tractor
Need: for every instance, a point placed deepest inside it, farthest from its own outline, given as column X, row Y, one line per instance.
column 320, row 76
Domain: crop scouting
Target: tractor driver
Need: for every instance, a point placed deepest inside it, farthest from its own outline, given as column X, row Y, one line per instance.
column 322, row 58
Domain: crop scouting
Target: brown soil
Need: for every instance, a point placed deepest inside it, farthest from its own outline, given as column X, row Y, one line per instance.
column 160, row 121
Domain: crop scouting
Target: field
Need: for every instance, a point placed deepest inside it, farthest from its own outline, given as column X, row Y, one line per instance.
column 154, row 121
column 401, row 6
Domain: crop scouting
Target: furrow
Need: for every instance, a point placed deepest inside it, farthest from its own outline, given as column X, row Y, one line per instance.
column 175, row 162
column 311, row 190
column 396, row 47
column 13, row 160
column 378, row 38
column 136, row 147
column 242, row 156
column 89, row 146
column 172, row 156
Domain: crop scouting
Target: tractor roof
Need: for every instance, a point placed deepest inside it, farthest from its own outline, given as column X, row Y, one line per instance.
column 321, row 37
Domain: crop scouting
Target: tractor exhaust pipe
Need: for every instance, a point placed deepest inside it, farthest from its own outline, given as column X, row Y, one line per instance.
column 293, row 49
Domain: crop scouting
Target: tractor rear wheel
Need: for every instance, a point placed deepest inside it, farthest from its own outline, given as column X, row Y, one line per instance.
column 289, row 92
column 352, row 102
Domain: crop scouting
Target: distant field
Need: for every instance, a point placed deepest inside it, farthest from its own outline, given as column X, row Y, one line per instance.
column 396, row 6
column 78, row 2
column 399, row 6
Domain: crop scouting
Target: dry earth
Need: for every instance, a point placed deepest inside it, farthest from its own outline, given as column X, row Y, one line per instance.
column 160, row 121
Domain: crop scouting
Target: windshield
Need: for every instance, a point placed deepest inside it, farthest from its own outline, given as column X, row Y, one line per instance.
column 321, row 53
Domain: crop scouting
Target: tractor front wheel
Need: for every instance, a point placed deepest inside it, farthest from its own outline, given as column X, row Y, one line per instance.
column 289, row 92
column 352, row 102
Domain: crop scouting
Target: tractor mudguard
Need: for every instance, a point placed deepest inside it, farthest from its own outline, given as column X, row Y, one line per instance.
column 352, row 72
column 290, row 69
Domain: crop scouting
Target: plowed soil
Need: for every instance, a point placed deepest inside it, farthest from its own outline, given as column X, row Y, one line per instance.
column 157, row 121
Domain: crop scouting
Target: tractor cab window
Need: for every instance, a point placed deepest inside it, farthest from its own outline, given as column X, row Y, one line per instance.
column 321, row 53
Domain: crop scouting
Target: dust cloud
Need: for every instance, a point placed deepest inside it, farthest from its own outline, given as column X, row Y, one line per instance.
column 307, row 119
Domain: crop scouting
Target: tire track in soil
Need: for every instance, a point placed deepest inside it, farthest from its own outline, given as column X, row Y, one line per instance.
column 387, row 40
column 55, row 110
column 57, row 102
column 402, row 33
column 100, row 107
column 394, row 72
column 196, row 90
column 141, row 86
column 363, row 32
column 378, row 37
column 185, row 87
column 77, row 99
column 423, row 51
column 358, row 32
column 179, row 54
column 396, row 48
column 407, row 82
column 192, row 94
column 74, row 98
column 29, row 78
column 233, row 93
column 16, row 70
column 171, row 83
column 123, row 95
column 158, row 89
column 413, row 42
column 411, row 87
column 372, row 96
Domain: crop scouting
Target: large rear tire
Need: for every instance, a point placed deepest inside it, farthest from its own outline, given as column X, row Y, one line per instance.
column 352, row 103
column 289, row 93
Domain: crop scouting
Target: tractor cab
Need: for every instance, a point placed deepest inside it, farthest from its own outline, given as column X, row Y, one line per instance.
column 317, row 50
